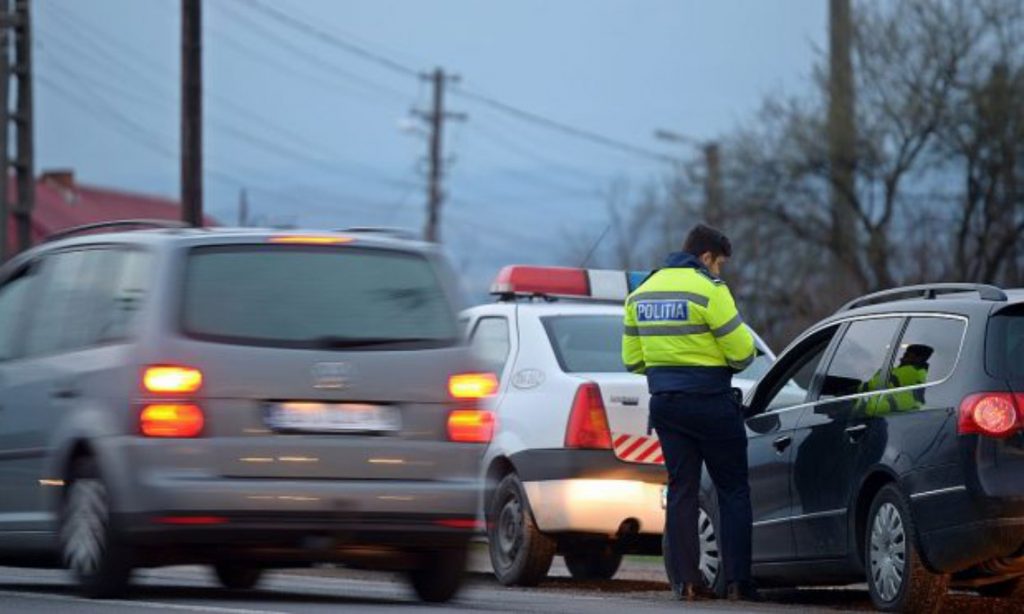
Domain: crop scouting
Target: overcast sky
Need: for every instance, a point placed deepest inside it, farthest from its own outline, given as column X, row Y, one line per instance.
column 321, row 137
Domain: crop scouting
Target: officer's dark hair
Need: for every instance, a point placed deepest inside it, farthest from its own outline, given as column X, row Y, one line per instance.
column 704, row 238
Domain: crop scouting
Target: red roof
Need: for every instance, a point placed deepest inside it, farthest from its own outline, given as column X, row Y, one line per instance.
column 61, row 203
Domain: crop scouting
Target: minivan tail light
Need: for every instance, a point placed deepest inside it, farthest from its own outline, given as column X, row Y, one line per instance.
column 588, row 422
column 470, row 426
column 171, row 420
column 994, row 414
column 166, row 379
column 472, row 385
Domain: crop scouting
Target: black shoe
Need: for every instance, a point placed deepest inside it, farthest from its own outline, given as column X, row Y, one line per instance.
column 743, row 591
column 692, row 592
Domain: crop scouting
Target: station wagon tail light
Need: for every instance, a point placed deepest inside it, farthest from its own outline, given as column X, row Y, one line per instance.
column 171, row 420
column 470, row 426
column 995, row 414
column 588, row 422
column 164, row 379
column 472, row 385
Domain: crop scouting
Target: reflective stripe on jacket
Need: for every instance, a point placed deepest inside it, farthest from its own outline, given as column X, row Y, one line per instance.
column 683, row 330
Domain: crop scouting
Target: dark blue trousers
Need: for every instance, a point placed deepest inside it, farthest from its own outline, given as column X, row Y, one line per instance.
column 694, row 430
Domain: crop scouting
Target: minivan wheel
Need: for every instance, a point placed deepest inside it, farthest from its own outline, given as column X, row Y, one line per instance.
column 897, row 578
column 594, row 563
column 90, row 546
column 520, row 554
column 440, row 575
column 237, row 576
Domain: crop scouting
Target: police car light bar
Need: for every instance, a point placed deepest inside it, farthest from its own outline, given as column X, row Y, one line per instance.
column 594, row 284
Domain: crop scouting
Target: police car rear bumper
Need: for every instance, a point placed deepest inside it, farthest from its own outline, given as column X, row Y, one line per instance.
column 591, row 491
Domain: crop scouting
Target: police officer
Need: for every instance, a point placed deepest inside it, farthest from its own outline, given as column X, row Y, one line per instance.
column 683, row 331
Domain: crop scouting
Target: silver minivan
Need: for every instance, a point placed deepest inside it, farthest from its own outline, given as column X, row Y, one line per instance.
column 238, row 398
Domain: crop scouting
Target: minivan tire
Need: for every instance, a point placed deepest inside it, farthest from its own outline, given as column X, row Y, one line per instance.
column 598, row 562
column 90, row 545
column 237, row 576
column 440, row 575
column 521, row 554
column 897, row 578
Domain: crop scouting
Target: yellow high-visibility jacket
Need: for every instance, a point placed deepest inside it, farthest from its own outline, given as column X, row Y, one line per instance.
column 683, row 330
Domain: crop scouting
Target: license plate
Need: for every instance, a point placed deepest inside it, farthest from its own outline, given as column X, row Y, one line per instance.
column 304, row 417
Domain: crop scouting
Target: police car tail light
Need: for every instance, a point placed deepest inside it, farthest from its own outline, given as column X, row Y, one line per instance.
column 588, row 422
column 470, row 426
column 995, row 414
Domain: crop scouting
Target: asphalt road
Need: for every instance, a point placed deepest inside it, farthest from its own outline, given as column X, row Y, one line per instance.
column 192, row 589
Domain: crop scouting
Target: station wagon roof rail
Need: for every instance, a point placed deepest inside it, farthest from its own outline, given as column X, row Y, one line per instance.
column 927, row 291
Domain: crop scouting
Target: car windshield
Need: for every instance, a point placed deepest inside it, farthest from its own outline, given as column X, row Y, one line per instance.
column 315, row 297
column 593, row 344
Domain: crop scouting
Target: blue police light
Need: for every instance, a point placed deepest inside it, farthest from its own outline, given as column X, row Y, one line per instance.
column 635, row 278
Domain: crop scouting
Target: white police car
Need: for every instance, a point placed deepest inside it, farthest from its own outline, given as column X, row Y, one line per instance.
column 572, row 468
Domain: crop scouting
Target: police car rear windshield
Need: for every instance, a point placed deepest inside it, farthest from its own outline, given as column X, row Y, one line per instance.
column 593, row 344
column 344, row 298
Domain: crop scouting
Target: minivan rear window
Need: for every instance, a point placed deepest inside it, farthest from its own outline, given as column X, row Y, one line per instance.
column 593, row 344
column 316, row 297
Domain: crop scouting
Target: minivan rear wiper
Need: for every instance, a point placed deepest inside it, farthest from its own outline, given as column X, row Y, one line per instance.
column 334, row 342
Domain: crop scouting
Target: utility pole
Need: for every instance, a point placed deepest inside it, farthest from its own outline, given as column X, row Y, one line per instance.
column 5, row 120
column 191, row 112
column 435, row 119
column 842, row 135
column 24, row 167
column 243, row 209
column 714, row 211
column 714, row 199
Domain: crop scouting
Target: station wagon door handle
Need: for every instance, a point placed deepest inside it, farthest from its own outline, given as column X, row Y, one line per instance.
column 782, row 443
column 856, row 432
column 65, row 392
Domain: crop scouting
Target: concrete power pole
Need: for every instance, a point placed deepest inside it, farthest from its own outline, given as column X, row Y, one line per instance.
column 435, row 119
column 842, row 137
column 243, row 208
column 714, row 207
column 18, row 23
column 191, row 113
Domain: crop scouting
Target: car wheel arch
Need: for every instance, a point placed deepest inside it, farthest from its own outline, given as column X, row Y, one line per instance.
column 498, row 468
column 873, row 482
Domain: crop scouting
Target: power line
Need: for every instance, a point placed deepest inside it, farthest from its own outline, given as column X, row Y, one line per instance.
column 408, row 71
column 579, row 133
column 333, row 39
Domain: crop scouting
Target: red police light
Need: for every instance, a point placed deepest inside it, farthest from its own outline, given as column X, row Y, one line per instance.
column 555, row 281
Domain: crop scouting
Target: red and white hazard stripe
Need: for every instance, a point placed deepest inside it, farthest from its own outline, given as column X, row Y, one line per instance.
column 638, row 449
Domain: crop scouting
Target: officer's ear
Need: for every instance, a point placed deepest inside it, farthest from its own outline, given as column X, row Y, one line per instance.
column 707, row 259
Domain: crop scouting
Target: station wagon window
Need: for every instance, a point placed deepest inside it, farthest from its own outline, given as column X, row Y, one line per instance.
column 790, row 380
column 13, row 295
column 859, row 363
column 1004, row 344
column 929, row 348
